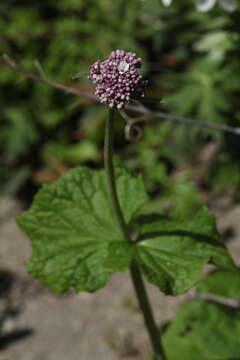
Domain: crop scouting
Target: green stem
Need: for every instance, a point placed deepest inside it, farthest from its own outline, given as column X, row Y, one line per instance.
column 153, row 331
column 108, row 163
column 134, row 269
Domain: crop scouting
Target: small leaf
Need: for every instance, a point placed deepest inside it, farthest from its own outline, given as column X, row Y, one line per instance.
column 221, row 282
column 79, row 153
column 203, row 330
column 75, row 239
column 172, row 253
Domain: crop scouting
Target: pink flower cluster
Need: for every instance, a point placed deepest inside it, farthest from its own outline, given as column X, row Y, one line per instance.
column 117, row 78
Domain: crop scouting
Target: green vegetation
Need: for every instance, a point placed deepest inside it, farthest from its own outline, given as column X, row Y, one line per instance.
column 190, row 58
column 192, row 62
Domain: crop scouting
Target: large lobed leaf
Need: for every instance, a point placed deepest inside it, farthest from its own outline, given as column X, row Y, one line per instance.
column 203, row 330
column 75, row 238
column 77, row 243
column 172, row 253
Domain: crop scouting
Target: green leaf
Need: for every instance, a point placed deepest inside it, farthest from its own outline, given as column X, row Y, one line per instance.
column 172, row 253
column 84, row 151
column 77, row 243
column 14, row 136
column 75, row 239
column 223, row 283
column 203, row 331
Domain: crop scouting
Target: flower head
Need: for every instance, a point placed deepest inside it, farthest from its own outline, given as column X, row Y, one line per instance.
column 117, row 78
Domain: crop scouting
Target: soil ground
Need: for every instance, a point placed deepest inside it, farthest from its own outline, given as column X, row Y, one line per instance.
column 106, row 325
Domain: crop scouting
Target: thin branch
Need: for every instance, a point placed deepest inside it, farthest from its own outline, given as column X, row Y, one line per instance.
column 39, row 68
column 6, row 60
column 231, row 302
column 188, row 121
column 145, row 113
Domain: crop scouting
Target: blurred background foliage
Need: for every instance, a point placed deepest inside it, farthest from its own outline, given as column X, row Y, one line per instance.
column 191, row 60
